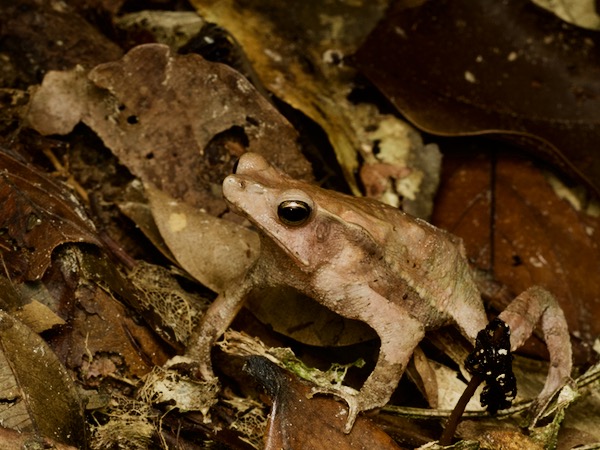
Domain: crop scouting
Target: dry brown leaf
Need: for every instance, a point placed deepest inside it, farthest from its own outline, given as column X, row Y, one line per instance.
column 510, row 69
column 37, row 394
column 134, row 205
column 582, row 13
column 178, row 122
column 38, row 316
column 171, row 311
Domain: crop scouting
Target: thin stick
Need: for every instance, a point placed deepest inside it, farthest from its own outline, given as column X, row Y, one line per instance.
column 459, row 409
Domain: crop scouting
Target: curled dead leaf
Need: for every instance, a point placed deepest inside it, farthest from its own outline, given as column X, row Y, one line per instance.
column 536, row 237
column 509, row 69
column 104, row 337
column 38, row 215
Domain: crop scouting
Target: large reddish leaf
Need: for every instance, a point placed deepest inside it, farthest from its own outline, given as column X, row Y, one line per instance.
column 515, row 225
column 462, row 68
column 38, row 214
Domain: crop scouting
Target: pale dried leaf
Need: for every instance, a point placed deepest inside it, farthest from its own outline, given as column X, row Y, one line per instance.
column 212, row 250
column 38, row 317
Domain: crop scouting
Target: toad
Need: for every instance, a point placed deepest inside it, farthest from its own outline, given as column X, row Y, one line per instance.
column 368, row 261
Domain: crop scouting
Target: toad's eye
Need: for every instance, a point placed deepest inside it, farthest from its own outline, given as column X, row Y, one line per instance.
column 293, row 212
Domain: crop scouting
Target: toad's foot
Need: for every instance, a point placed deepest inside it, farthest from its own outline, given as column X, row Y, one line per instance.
column 544, row 404
column 350, row 396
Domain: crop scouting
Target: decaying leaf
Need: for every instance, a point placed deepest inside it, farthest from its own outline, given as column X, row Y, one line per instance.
column 103, row 338
column 297, row 421
column 134, row 204
column 159, row 294
column 300, row 54
column 131, row 424
column 38, row 317
column 178, row 391
column 509, row 68
column 28, row 303
column 178, row 122
column 37, row 393
column 38, row 215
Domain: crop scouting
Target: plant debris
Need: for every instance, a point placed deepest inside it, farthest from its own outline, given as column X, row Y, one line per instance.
column 118, row 124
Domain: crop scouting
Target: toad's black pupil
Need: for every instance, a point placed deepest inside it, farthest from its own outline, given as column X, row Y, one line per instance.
column 293, row 212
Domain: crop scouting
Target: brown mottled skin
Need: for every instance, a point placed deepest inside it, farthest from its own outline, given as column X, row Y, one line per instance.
column 368, row 261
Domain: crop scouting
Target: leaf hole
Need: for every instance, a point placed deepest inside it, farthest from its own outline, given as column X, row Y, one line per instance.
column 252, row 121
column 233, row 141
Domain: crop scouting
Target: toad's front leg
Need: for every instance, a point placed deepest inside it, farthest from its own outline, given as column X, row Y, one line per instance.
column 524, row 312
column 215, row 321
column 399, row 332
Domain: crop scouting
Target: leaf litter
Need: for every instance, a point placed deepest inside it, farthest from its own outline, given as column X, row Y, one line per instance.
column 114, row 312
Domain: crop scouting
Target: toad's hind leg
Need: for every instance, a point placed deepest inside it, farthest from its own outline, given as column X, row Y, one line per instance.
column 522, row 314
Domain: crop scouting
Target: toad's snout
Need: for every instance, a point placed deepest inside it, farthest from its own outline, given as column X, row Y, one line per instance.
column 236, row 188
